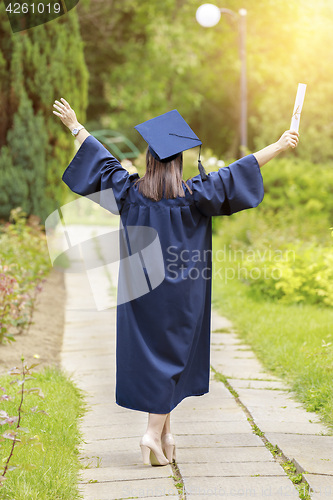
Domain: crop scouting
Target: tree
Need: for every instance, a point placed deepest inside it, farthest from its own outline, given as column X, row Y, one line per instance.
column 37, row 66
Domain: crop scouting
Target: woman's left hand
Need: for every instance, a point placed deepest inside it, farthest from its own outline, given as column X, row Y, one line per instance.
column 66, row 113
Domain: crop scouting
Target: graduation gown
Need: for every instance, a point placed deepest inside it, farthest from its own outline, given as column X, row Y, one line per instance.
column 163, row 337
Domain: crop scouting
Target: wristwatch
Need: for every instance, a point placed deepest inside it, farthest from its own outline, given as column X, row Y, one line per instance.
column 76, row 130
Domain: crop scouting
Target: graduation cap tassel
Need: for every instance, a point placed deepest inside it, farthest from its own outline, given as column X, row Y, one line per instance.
column 201, row 168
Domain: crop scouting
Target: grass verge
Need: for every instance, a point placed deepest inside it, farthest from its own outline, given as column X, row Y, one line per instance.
column 57, row 468
column 293, row 342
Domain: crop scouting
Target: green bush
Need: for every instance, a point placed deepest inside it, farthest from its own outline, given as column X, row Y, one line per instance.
column 298, row 204
column 300, row 274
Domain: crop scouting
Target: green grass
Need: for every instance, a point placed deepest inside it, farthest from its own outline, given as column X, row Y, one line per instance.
column 289, row 340
column 57, row 469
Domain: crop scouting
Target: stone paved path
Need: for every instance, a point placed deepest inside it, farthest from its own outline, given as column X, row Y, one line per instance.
column 218, row 455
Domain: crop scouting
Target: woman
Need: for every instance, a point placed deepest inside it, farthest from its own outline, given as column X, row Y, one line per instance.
column 163, row 334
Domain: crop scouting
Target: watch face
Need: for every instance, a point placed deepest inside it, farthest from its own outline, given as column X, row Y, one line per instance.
column 74, row 131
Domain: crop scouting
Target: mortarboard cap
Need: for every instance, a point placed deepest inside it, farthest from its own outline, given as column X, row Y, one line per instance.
column 168, row 135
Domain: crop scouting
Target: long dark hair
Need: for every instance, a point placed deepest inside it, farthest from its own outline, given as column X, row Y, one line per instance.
column 162, row 179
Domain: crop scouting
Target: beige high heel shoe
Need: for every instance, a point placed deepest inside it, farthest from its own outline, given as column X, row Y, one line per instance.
column 169, row 446
column 150, row 451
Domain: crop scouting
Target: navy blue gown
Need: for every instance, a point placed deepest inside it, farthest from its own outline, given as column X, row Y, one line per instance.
column 163, row 337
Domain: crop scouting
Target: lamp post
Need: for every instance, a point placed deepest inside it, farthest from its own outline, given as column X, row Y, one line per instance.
column 208, row 15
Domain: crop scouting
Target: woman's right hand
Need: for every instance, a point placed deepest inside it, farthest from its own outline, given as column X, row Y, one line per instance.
column 288, row 139
column 66, row 114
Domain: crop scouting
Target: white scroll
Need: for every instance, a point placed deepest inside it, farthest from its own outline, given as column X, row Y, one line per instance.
column 298, row 107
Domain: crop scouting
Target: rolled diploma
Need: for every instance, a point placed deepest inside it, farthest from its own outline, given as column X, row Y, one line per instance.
column 298, row 107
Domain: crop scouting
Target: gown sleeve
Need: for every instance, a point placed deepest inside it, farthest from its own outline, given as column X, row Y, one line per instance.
column 94, row 169
column 231, row 189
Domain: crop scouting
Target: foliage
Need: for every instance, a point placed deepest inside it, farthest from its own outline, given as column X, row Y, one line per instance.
column 284, row 245
column 21, row 436
column 299, row 274
column 55, row 420
column 146, row 58
column 37, row 66
column 24, row 262
column 297, row 205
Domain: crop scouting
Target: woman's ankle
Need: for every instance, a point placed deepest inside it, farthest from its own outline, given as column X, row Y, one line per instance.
column 154, row 435
column 165, row 431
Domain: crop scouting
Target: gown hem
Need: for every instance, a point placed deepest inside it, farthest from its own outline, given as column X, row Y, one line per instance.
column 202, row 393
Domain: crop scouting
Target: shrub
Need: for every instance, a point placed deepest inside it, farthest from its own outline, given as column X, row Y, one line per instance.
column 303, row 273
column 24, row 263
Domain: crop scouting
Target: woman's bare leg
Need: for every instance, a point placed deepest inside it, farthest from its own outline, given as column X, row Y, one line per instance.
column 155, row 426
column 166, row 427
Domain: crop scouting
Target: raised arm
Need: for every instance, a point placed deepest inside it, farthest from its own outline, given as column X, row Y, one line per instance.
column 287, row 140
column 68, row 117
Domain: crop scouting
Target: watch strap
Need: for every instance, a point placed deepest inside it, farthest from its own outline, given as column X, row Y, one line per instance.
column 77, row 129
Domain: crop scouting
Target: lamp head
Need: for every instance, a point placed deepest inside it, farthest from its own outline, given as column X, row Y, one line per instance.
column 208, row 15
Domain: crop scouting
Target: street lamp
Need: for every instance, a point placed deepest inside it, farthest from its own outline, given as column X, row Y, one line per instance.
column 208, row 15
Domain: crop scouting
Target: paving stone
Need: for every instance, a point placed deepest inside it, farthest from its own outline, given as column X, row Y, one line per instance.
column 81, row 365
column 314, row 454
column 112, row 429
column 270, row 487
column 257, row 384
column 239, row 371
column 290, row 427
column 103, row 431
column 99, row 440
column 84, row 370
column 85, row 355
column 93, row 377
column 101, row 454
column 267, row 398
column 218, row 322
column 219, row 359
column 283, row 414
column 120, row 416
column 100, row 389
column 321, row 486
column 277, row 412
column 211, row 427
column 216, row 441
column 92, row 324
column 202, row 415
column 88, row 347
column 209, row 404
column 221, row 455
column 169, row 497
column 234, row 469
column 109, row 407
column 226, row 339
column 141, row 488
column 124, row 472
column 232, row 354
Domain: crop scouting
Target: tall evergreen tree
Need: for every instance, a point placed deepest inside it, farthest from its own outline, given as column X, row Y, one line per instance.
column 38, row 66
